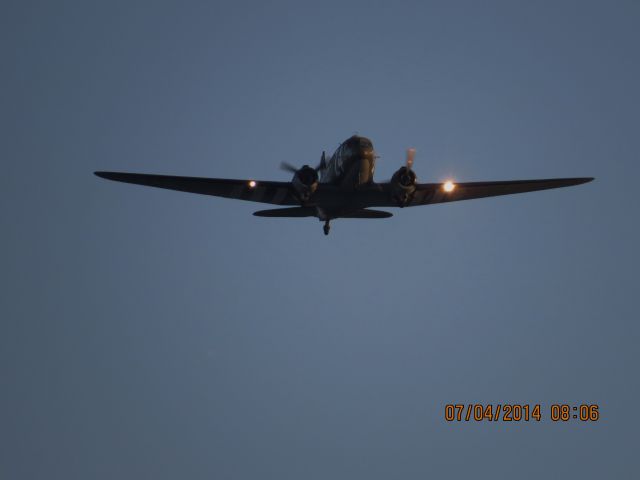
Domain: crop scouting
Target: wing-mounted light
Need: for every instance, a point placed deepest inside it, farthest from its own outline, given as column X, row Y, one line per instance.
column 403, row 182
column 448, row 186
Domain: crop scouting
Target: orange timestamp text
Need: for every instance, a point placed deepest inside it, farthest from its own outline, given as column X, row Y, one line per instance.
column 514, row 412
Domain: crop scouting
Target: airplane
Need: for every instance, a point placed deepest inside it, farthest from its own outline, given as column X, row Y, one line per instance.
column 342, row 187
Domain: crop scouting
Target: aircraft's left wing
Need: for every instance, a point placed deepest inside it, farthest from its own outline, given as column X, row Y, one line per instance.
column 277, row 193
column 428, row 193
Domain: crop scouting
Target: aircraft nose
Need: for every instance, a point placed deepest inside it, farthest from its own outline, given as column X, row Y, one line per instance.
column 366, row 148
column 367, row 161
column 367, row 153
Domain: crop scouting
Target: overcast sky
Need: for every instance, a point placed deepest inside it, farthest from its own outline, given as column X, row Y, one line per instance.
column 147, row 333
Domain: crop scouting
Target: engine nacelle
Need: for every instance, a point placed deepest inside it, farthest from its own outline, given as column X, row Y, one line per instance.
column 403, row 186
column 305, row 182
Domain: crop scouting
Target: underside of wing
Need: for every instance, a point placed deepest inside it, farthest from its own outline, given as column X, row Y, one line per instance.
column 277, row 193
column 428, row 193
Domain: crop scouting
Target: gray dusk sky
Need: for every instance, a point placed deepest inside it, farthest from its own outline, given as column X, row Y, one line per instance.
column 147, row 333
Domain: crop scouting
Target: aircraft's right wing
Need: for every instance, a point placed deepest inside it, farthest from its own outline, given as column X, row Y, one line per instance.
column 277, row 193
column 428, row 193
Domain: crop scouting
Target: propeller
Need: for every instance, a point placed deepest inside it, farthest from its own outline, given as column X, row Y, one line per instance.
column 411, row 153
column 287, row 167
column 406, row 175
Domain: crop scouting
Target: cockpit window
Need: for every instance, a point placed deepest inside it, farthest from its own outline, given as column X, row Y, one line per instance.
column 365, row 143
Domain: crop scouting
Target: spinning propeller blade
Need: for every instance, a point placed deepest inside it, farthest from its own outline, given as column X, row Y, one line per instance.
column 287, row 167
column 411, row 153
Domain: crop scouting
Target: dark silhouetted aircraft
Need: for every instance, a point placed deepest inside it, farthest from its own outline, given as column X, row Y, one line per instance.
column 342, row 187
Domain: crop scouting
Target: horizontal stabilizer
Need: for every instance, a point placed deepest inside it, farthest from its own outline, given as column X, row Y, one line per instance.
column 364, row 213
column 287, row 212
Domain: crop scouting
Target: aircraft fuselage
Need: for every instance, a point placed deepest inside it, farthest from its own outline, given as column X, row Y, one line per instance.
column 351, row 165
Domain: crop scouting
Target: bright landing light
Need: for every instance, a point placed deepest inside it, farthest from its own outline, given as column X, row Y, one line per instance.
column 448, row 186
column 252, row 184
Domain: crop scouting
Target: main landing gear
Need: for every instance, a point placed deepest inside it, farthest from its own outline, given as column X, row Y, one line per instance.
column 326, row 227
